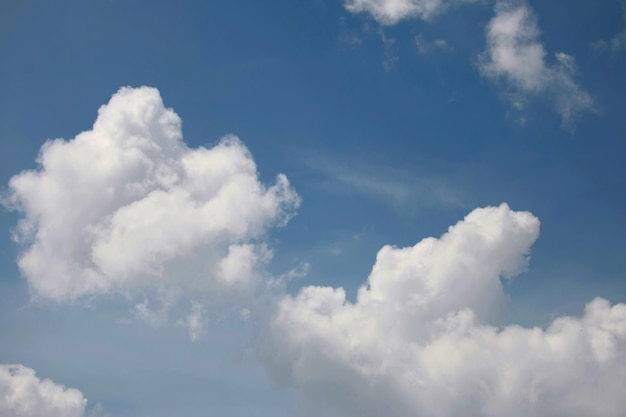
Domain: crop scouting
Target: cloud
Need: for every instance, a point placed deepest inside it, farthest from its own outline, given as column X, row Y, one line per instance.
column 398, row 190
column 515, row 56
column 389, row 12
column 23, row 394
column 390, row 51
column 615, row 45
column 618, row 42
column 196, row 321
column 424, row 46
column 128, row 205
column 422, row 338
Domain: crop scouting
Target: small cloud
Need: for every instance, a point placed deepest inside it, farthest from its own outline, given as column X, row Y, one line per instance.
column 424, row 46
column 152, row 317
column 348, row 37
column 336, row 251
column 390, row 12
column 98, row 411
column 515, row 56
column 195, row 322
column 390, row 51
column 299, row 271
column 614, row 45
column 245, row 313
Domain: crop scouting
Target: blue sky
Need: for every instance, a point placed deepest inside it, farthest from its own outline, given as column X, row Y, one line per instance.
column 391, row 124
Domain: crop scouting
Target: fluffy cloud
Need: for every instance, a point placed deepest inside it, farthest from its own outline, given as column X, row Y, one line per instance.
column 23, row 394
column 129, row 205
column 421, row 337
column 389, row 12
column 515, row 55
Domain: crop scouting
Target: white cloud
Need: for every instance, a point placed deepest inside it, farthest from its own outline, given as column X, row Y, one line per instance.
column 240, row 264
column 615, row 45
column 390, row 51
column 424, row 46
column 128, row 205
column 515, row 55
column 389, row 12
column 154, row 317
column 421, row 337
column 23, row 394
column 196, row 321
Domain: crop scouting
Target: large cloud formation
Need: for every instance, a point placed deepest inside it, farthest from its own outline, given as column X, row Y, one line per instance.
column 389, row 12
column 421, row 338
column 23, row 394
column 515, row 55
column 129, row 205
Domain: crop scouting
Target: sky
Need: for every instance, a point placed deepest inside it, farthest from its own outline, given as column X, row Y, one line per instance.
column 312, row 208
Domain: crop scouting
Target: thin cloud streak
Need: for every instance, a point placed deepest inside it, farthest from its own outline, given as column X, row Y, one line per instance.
column 402, row 192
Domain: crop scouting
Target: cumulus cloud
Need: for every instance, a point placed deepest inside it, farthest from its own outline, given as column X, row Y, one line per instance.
column 515, row 56
column 389, row 12
column 129, row 205
column 23, row 394
column 422, row 338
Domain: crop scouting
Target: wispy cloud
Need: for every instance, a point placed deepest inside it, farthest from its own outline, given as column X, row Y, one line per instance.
column 515, row 56
column 403, row 192
column 616, row 44
column 196, row 321
column 348, row 37
column 425, row 46
column 390, row 51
